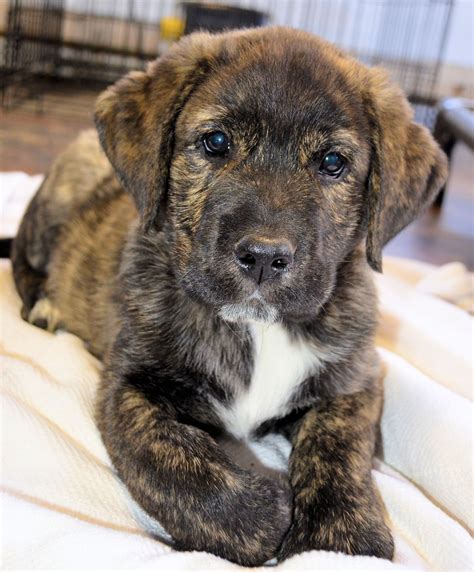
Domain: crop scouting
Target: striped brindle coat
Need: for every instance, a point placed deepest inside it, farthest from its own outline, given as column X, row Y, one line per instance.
column 217, row 257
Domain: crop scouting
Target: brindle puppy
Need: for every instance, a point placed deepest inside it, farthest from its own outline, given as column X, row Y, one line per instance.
column 254, row 175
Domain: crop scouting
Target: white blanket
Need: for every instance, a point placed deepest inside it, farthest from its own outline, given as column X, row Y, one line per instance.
column 64, row 508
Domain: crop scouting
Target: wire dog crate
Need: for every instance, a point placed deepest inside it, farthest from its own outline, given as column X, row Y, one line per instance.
column 96, row 42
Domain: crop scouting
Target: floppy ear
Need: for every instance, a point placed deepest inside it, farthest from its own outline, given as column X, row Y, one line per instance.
column 136, row 116
column 408, row 167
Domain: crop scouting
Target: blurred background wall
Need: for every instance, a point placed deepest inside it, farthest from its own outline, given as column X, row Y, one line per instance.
column 457, row 75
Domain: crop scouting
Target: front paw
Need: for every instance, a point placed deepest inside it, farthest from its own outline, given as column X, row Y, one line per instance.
column 354, row 531
column 246, row 525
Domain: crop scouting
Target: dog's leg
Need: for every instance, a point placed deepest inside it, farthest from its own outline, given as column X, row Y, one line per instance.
column 37, row 308
column 29, row 282
column 181, row 477
column 30, row 254
column 336, row 507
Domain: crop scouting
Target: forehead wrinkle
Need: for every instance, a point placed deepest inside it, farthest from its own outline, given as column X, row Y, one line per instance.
column 196, row 118
column 296, row 74
column 270, row 90
column 350, row 139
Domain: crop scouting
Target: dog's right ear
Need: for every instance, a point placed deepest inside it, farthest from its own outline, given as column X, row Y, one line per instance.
column 136, row 116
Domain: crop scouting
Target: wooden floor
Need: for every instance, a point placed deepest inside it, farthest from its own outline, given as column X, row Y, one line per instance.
column 32, row 134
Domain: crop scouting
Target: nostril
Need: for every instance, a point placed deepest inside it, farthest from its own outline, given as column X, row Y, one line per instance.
column 263, row 258
column 247, row 259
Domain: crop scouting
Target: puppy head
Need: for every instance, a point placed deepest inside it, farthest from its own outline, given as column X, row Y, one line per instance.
column 273, row 156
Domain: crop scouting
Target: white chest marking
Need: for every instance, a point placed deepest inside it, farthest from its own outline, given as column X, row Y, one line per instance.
column 281, row 364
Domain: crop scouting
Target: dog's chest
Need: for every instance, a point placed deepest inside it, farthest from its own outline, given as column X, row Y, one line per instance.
column 281, row 364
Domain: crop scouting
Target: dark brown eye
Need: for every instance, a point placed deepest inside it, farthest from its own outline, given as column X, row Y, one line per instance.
column 332, row 164
column 216, row 143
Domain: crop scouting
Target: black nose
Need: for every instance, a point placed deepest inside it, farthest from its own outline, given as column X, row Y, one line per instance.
column 264, row 258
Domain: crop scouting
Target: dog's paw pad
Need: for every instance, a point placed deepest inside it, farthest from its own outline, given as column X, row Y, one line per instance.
column 44, row 315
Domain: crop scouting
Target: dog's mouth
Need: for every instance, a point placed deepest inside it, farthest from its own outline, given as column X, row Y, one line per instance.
column 254, row 309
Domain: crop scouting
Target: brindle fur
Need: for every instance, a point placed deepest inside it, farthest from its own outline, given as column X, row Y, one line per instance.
column 141, row 276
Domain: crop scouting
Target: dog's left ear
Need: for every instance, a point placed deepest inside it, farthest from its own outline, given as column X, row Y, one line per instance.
column 407, row 170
